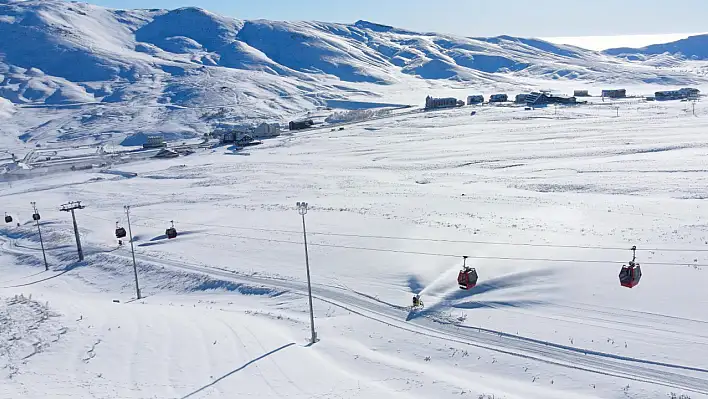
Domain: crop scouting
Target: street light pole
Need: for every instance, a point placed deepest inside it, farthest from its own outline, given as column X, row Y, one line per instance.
column 36, row 218
column 302, row 210
column 132, row 249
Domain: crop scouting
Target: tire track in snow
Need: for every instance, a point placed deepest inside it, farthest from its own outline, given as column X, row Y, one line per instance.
column 514, row 345
column 640, row 370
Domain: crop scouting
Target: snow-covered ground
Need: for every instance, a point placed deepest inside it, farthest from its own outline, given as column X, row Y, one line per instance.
column 73, row 73
column 546, row 203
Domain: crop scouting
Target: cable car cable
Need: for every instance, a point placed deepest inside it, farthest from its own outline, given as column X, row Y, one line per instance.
column 438, row 254
column 411, row 252
column 422, row 239
column 425, row 239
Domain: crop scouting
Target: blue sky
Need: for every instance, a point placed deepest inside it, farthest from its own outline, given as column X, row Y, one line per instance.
column 539, row 18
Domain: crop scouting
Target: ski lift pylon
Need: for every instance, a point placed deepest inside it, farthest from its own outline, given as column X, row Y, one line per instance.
column 631, row 273
column 467, row 278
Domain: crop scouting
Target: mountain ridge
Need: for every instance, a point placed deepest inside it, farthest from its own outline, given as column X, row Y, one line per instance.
column 170, row 65
column 693, row 47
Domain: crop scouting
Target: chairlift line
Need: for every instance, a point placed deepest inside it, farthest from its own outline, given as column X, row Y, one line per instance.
column 425, row 239
column 448, row 255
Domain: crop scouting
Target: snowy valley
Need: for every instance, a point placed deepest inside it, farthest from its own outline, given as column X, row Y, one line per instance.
column 75, row 73
column 546, row 202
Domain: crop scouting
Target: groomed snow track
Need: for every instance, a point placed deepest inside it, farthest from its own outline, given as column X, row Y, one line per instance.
column 676, row 376
column 684, row 377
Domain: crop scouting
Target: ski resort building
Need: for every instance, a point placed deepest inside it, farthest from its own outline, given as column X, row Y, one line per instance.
column 166, row 153
column 154, row 142
column 498, row 98
column 615, row 93
column 300, row 125
column 475, row 99
column 581, row 93
column 266, row 130
column 685, row 93
column 537, row 99
column 436, row 103
column 521, row 98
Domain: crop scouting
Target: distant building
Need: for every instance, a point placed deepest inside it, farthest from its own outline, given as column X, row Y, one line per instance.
column 166, row 153
column 685, row 93
column 498, row 98
column 155, row 142
column 545, row 98
column 267, row 130
column 436, row 103
column 244, row 140
column 475, row 99
column 299, row 125
column 228, row 137
column 521, row 98
column 581, row 93
column 616, row 93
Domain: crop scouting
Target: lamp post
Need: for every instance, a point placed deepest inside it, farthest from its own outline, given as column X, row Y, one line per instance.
column 302, row 210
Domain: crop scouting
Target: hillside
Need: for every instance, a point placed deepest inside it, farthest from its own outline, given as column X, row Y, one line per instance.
column 177, row 72
column 692, row 48
column 546, row 205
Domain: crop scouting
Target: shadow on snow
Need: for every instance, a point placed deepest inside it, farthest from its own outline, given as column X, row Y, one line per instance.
column 162, row 239
column 216, row 381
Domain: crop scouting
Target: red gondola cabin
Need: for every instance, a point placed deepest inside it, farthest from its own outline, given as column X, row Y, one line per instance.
column 467, row 278
column 631, row 274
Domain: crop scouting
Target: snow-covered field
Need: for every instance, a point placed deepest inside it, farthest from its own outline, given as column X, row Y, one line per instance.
column 546, row 203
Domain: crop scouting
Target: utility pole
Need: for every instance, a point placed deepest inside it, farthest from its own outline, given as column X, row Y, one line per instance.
column 71, row 207
column 302, row 210
column 132, row 249
column 36, row 218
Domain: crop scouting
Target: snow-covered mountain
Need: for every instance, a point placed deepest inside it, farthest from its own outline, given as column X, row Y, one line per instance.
column 692, row 48
column 175, row 72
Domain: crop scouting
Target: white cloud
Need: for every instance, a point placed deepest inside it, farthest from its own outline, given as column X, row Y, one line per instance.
column 605, row 42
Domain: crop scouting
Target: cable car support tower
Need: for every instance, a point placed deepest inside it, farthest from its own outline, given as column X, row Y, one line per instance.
column 132, row 249
column 71, row 207
column 36, row 218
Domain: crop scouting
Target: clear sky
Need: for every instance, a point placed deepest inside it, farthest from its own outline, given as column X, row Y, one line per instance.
column 527, row 18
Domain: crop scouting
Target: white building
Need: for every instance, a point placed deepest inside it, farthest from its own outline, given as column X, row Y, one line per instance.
column 266, row 130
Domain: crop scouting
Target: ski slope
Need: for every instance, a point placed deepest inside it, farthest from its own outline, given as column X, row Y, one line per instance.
column 546, row 203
